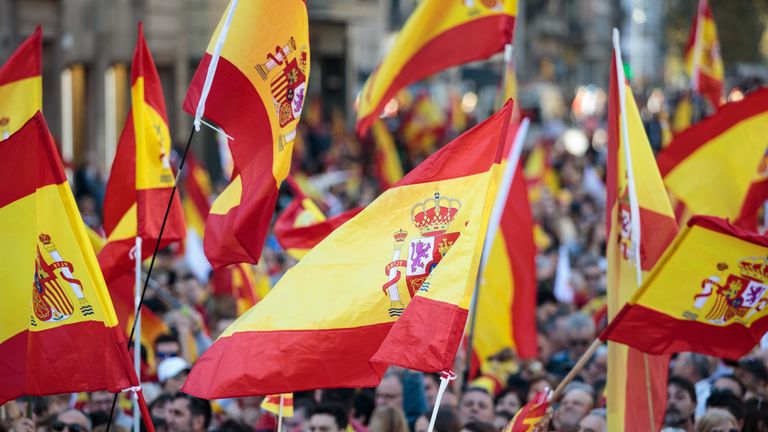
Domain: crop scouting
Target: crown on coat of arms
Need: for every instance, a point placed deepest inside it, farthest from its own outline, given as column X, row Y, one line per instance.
column 754, row 268
column 433, row 216
column 44, row 238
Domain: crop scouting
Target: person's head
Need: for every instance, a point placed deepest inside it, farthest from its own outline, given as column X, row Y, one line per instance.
column 166, row 346
column 302, row 406
column 731, row 383
column 189, row 414
column 431, row 384
column 160, row 407
column 595, row 421
column 388, row 419
column 681, row 402
column 538, row 385
column 476, row 404
column 478, row 426
column 389, row 392
column 171, row 373
column 728, row 401
column 716, row 420
column 508, row 400
column 754, row 374
column 99, row 402
column 755, row 415
column 328, row 417
column 693, row 367
column 575, row 404
column 580, row 332
column 447, row 420
column 71, row 420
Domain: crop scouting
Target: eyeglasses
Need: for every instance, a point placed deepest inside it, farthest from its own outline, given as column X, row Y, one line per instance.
column 166, row 354
column 59, row 426
column 579, row 342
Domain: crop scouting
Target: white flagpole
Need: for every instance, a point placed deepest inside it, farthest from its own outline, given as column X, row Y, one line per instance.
column 445, row 378
column 200, row 111
column 280, row 414
column 137, row 333
column 634, row 208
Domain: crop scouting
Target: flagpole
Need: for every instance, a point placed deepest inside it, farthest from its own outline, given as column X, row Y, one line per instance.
column 493, row 225
column 137, row 341
column 634, row 207
column 280, row 414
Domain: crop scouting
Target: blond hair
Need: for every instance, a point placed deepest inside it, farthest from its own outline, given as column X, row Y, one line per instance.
column 712, row 418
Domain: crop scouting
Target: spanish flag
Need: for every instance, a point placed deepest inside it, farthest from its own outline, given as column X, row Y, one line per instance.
column 639, row 212
column 141, row 180
column 708, row 294
column 197, row 192
column 713, row 167
column 387, row 166
column 334, row 319
column 58, row 330
column 256, row 96
column 506, row 303
column 531, row 414
column 702, row 56
column 424, row 126
column 539, row 172
column 21, row 85
column 437, row 35
column 683, row 115
column 272, row 404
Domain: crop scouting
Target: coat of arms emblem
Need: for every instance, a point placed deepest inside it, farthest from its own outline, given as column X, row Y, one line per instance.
column 287, row 71
column 433, row 218
column 54, row 280
column 732, row 296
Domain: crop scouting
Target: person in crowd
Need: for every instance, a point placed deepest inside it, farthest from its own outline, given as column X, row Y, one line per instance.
column 681, row 404
column 71, row 420
column 579, row 330
column 328, row 417
column 716, row 420
column 696, row 368
column 575, row 403
column 731, row 383
column 389, row 392
column 189, row 414
column 171, row 373
column 725, row 399
column 508, row 400
column 476, row 404
column 388, row 419
column 595, row 421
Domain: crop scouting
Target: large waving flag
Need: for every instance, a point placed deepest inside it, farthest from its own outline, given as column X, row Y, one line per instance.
column 437, row 35
column 640, row 225
column 58, row 331
column 141, row 180
column 506, row 303
column 298, row 339
column 708, row 295
column 21, row 85
column 714, row 166
column 256, row 96
column 702, row 56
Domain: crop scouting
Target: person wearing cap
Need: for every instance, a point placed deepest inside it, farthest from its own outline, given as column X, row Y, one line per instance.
column 171, row 373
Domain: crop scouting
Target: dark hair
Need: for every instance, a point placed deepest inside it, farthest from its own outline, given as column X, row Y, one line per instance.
column 478, row 426
column 508, row 415
column 510, row 390
column 197, row 407
column 755, row 415
column 233, row 426
column 683, row 384
column 167, row 337
column 161, row 399
column 755, row 367
column 341, row 396
column 723, row 398
column 334, row 410
column 363, row 404
column 447, row 420
column 476, row 389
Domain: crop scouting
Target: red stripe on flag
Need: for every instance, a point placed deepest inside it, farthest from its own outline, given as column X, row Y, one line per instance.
column 455, row 46
column 220, row 373
column 26, row 61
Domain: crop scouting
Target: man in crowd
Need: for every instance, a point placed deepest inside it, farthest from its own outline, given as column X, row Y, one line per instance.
column 575, row 404
column 328, row 418
column 595, row 421
column 189, row 414
column 579, row 334
column 681, row 404
column 71, row 420
column 476, row 405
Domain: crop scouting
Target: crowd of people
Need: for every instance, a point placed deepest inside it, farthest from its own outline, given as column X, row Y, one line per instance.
column 567, row 197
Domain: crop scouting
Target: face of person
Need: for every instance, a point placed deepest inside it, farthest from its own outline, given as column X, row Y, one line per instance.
column 165, row 350
column 510, row 403
column 172, row 385
column 323, row 423
column 180, row 417
column 71, row 421
column 422, row 424
column 592, row 423
column 389, row 392
column 725, row 383
column 578, row 341
column 430, row 390
column 680, row 406
column 100, row 401
column 476, row 406
column 161, row 410
column 574, row 407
